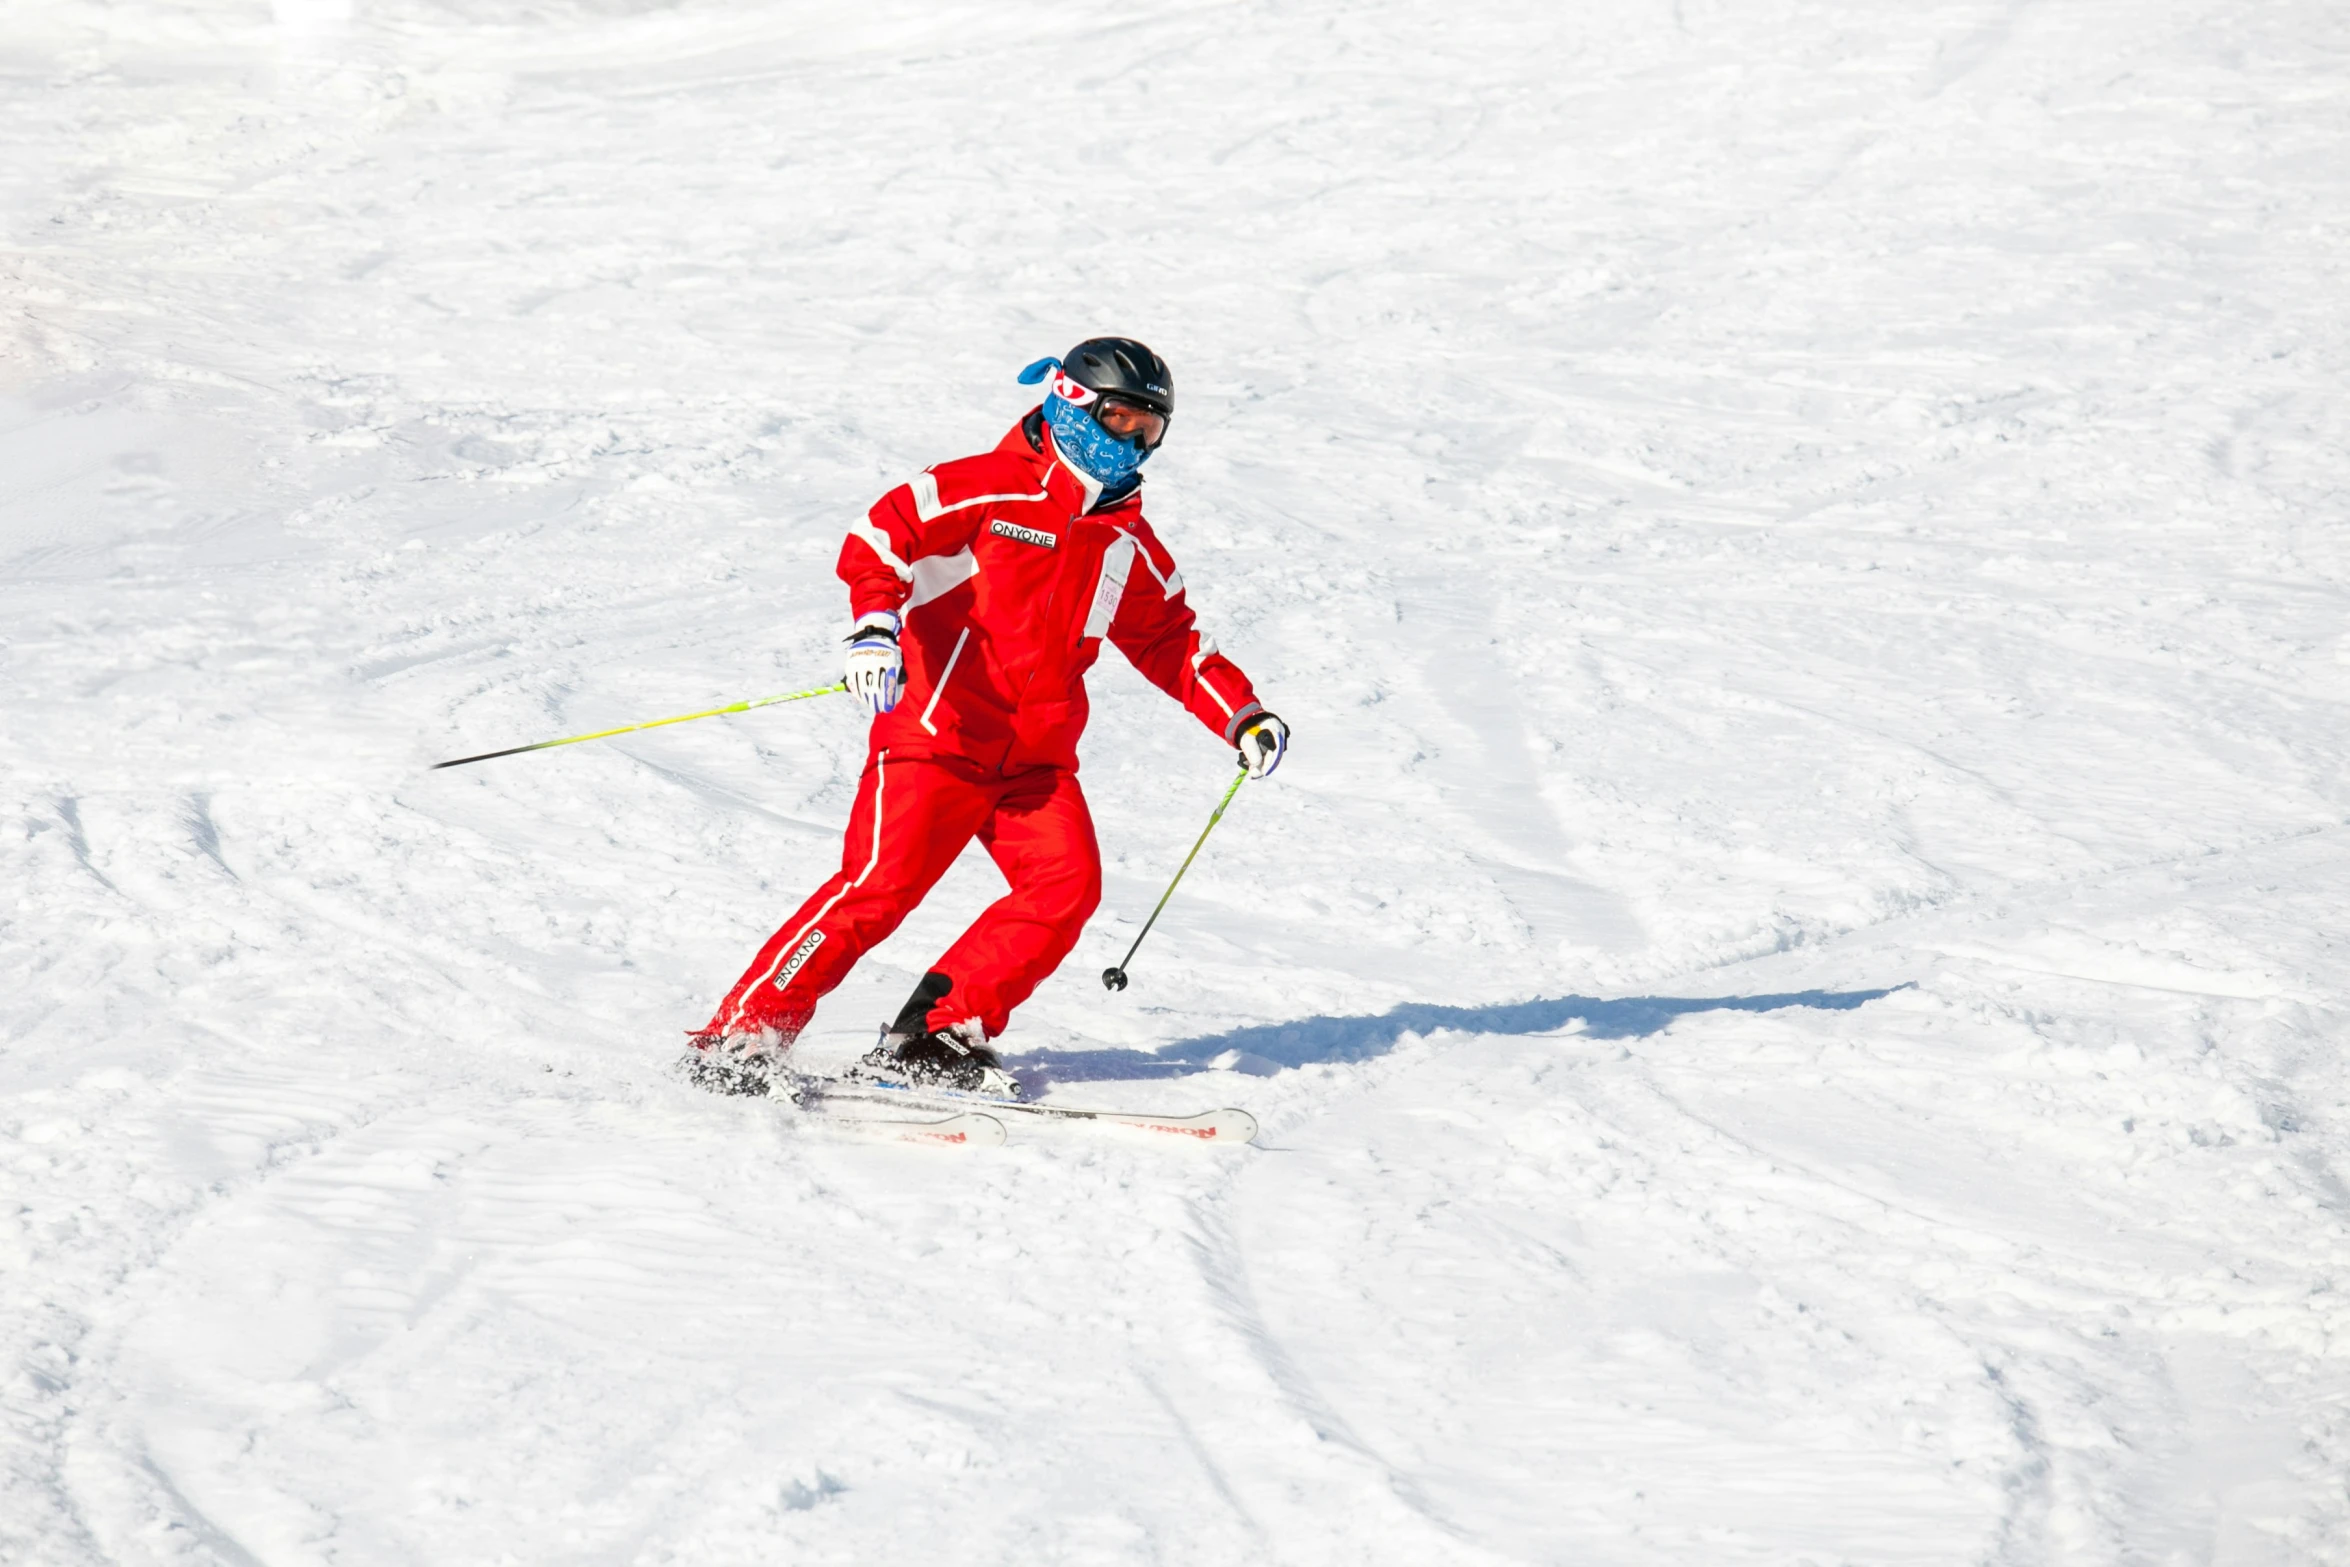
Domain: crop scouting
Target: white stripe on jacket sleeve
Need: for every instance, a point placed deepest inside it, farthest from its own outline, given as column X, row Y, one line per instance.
column 934, row 575
column 878, row 542
column 930, row 508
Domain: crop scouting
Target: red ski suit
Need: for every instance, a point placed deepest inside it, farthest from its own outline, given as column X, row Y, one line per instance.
column 1008, row 581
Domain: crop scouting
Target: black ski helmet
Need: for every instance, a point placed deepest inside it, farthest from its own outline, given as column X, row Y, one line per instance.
column 1122, row 367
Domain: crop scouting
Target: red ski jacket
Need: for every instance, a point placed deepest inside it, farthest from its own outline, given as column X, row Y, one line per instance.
column 1008, row 581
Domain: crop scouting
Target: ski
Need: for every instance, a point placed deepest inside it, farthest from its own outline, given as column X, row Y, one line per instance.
column 1226, row 1125
column 963, row 1129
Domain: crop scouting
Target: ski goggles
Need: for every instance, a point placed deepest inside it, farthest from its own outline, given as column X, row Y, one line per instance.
column 1122, row 416
column 1130, row 421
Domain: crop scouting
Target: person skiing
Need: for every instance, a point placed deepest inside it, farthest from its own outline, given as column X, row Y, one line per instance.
column 982, row 591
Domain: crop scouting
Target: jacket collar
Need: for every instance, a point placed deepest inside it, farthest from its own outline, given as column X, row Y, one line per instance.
column 1078, row 491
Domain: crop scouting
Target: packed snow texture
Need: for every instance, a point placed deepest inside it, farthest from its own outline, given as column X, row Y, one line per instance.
column 1792, row 977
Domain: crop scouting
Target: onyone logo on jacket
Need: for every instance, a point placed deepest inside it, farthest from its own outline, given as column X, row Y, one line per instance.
column 1012, row 530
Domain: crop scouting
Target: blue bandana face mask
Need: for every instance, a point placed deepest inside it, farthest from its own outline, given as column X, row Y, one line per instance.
column 1106, row 459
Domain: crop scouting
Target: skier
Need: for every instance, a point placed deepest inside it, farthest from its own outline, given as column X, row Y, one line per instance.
column 982, row 591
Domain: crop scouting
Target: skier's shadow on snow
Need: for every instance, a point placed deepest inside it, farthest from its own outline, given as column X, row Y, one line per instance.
column 1277, row 1047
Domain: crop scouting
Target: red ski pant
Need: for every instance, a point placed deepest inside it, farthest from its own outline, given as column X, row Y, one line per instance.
column 912, row 818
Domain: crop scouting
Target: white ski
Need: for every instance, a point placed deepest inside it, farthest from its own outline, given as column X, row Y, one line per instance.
column 1208, row 1126
column 963, row 1129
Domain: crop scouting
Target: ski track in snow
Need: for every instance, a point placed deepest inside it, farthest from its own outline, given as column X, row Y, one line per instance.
column 1791, row 979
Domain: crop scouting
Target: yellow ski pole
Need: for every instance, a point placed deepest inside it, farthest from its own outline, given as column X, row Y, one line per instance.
column 624, row 729
column 1114, row 978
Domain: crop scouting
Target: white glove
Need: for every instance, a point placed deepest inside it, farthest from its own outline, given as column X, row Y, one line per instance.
column 1264, row 740
column 876, row 669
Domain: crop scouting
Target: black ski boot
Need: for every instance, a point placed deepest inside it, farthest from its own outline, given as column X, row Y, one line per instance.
column 912, row 1054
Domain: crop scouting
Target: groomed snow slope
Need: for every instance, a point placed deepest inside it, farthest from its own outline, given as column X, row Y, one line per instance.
column 1792, row 980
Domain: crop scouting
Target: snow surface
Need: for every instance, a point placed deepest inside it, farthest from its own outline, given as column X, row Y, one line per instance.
column 1793, row 977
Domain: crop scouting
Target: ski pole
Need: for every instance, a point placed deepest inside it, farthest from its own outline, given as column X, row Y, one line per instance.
column 1114, row 977
column 682, row 718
